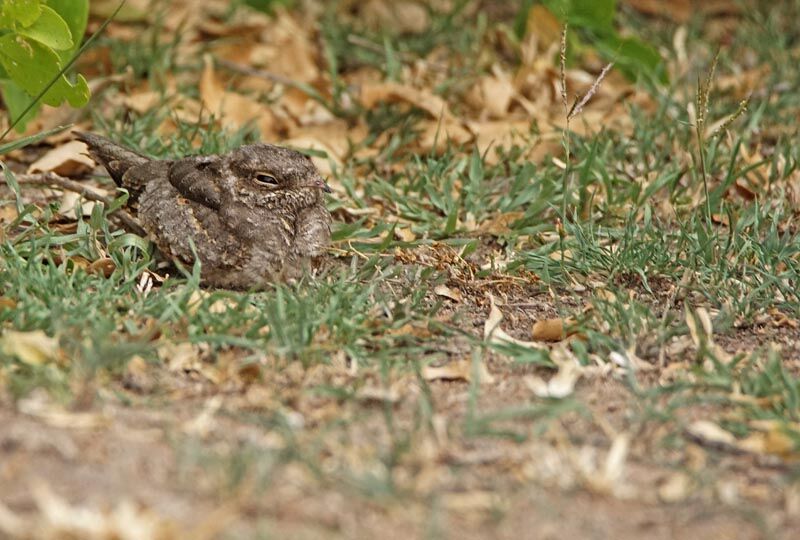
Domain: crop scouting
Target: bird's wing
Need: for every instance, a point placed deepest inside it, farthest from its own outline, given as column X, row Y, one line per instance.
column 197, row 179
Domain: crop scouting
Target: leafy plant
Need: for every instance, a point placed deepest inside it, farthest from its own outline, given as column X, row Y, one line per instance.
column 595, row 20
column 38, row 39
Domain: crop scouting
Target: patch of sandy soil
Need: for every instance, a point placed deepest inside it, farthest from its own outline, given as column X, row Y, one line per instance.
column 337, row 471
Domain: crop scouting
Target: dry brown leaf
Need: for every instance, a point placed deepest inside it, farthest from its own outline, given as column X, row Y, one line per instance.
column 234, row 110
column 772, row 437
column 310, row 112
column 771, row 442
column 448, row 292
column 542, row 26
column 104, row 267
column 709, row 433
column 374, row 93
column 34, row 348
column 405, row 234
column 494, row 334
column 325, row 165
column 499, row 224
column 179, row 356
column 138, row 375
column 472, row 501
column 378, row 394
column 494, row 134
column 438, row 135
column 459, row 370
column 288, row 49
column 549, row 330
column 681, row 11
column 55, row 518
column 143, row 101
column 39, row 405
column 396, row 16
column 202, row 424
column 68, row 205
column 608, row 477
column 8, row 213
column 561, row 385
column 70, row 159
column 414, row 329
column 497, row 91
column 676, row 10
column 701, row 330
column 675, row 488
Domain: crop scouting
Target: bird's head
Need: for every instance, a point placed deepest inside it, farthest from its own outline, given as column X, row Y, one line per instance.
column 263, row 169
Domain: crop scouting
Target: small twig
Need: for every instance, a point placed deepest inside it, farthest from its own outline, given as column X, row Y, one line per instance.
column 52, row 179
column 306, row 88
column 260, row 73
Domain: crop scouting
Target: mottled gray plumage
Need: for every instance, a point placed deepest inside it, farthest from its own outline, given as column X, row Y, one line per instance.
column 255, row 215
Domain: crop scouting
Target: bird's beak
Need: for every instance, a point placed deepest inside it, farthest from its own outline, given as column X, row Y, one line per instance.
column 320, row 183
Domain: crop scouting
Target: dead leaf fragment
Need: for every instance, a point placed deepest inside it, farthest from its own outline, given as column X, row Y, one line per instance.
column 234, row 110
column 497, row 91
column 34, row 348
column 561, row 385
column 542, row 26
column 56, row 518
column 70, row 159
column 104, row 267
column 472, row 501
column 376, row 394
column 448, row 292
column 709, row 433
column 460, row 370
column 373, row 93
column 438, row 135
column 398, row 16
column 7, row 303
column 202, row 424
column 773, row 441
column 289, row 50
column 675, row 10
column 179, row 356
column 549, row 330
column 494, row 334
column 676, row 488
column 39, row 405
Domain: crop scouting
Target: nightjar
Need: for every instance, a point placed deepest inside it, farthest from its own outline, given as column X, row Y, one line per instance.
column 252, row 217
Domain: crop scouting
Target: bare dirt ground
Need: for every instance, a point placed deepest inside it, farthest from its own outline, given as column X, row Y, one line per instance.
column 173, row 454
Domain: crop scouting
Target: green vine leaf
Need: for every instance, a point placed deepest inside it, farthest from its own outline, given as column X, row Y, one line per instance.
column 25, row 12
column 76, row 14
column 51, row 30
column 33, row 65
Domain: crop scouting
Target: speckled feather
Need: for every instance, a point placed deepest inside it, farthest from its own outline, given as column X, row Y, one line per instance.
column 245, row 232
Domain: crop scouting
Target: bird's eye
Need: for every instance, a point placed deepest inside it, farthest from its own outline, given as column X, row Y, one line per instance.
column 266, row 179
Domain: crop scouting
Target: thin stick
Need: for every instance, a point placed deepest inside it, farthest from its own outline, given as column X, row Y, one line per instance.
column 52, row 179
column 307, row 89
column 253, row 72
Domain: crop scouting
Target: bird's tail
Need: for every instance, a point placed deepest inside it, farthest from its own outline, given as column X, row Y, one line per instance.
column 115, row 158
